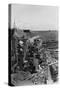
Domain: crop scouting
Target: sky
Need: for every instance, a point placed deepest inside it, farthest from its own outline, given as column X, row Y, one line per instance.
column 34, row 17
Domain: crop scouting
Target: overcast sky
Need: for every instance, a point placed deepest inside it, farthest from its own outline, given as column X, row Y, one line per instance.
column 34, row 17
